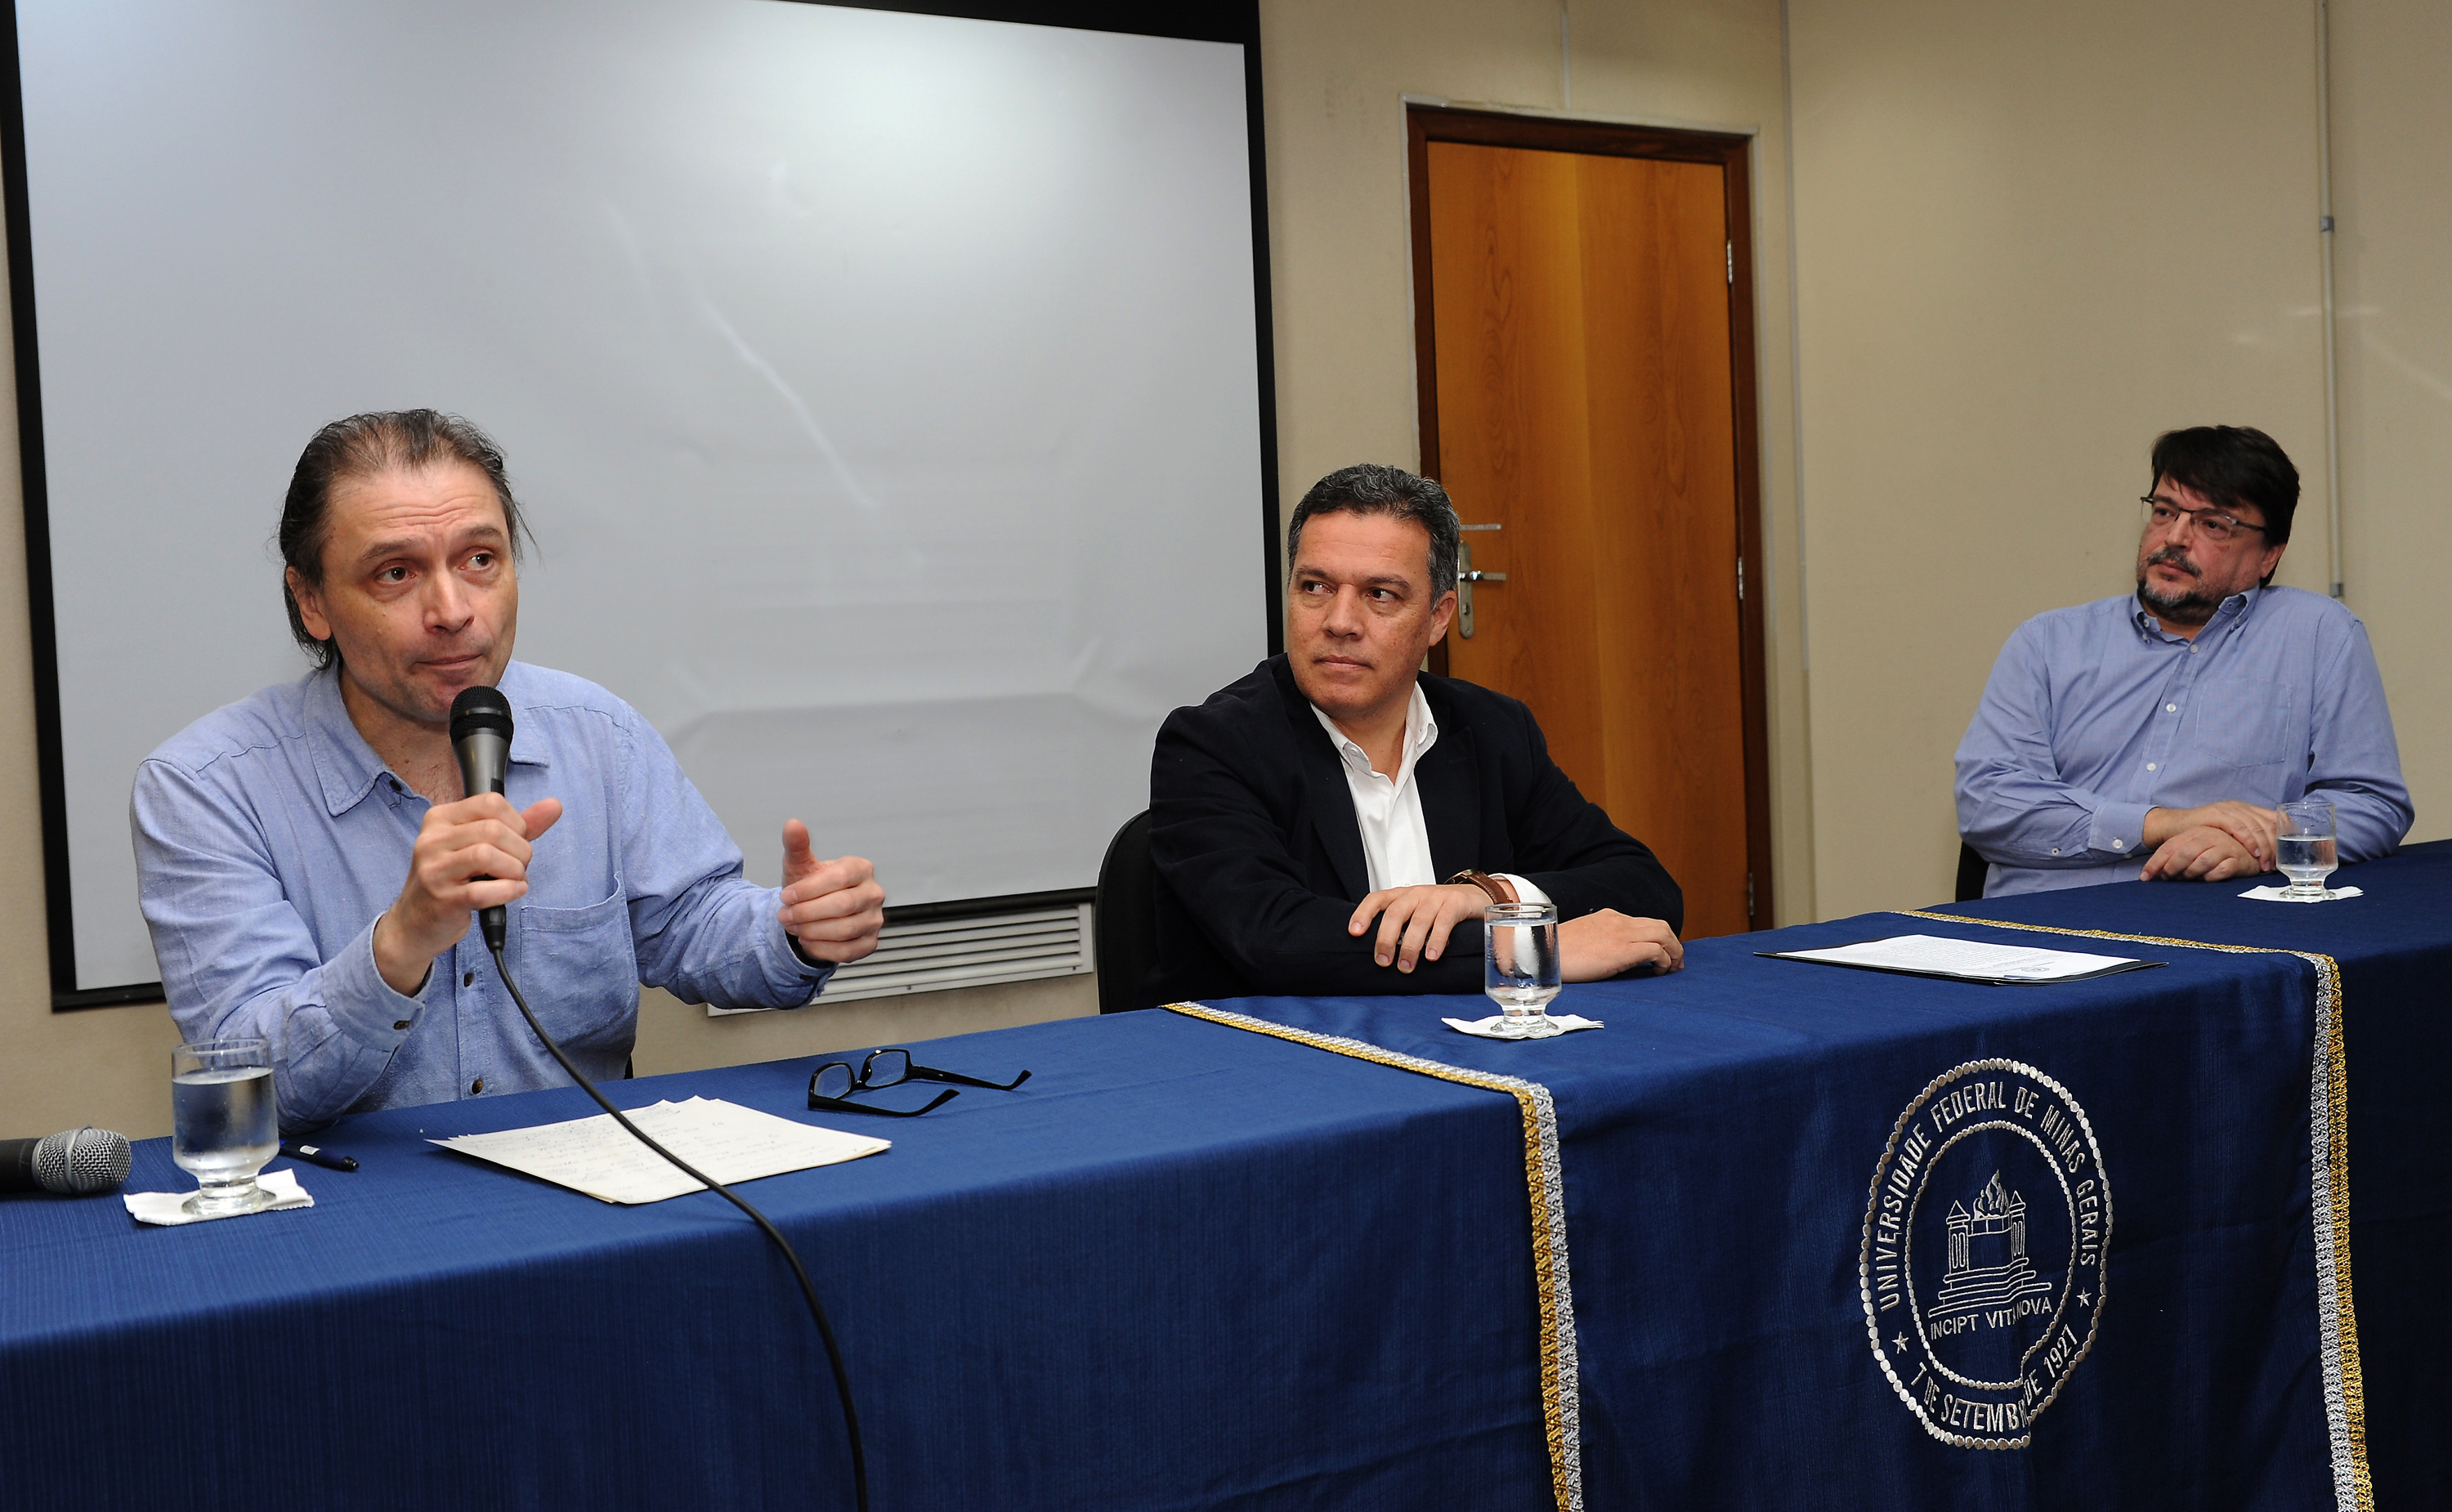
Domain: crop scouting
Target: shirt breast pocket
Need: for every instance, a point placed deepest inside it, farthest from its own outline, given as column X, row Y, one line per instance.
column 2254, row 724
column 579, row 967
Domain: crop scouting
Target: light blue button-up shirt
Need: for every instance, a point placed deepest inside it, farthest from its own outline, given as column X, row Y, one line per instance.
column 2094, row 715
column 269, row 837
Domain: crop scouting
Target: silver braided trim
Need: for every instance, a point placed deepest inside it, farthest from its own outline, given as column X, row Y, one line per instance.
column 2346, row 1479
column 1562, row 1326
column 1549, row 1215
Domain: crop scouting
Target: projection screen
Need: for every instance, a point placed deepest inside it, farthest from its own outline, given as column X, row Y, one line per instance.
column 885, row 390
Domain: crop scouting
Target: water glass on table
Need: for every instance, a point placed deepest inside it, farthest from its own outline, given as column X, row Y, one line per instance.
column 1519, row 957
column 2308, row 851
column 223, row 1123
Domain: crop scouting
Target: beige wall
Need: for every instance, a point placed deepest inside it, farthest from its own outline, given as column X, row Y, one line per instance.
column 2392, row 199
column 109, row 1066
column 1337, row 75
column 2030, row 237
column 676, row 1037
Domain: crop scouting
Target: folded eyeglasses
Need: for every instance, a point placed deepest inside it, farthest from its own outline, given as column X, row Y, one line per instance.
column 831, row 1085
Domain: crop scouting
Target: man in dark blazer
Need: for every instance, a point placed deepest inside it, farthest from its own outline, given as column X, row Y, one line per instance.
column 1323, row 825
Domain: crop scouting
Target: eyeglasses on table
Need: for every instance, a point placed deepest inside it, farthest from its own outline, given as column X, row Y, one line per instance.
column 832, row 1084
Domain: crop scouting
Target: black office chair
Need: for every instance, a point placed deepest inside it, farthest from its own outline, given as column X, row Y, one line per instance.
column 1126, row 917
column 1971, row 868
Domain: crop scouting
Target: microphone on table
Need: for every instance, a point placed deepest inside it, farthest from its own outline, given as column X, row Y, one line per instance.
column 480, row 738
column 74, row 1162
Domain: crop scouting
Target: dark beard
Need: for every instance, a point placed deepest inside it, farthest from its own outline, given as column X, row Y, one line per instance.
column 2189, row 608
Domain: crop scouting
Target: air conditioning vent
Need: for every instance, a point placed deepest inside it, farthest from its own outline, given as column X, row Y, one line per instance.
column 932, row 955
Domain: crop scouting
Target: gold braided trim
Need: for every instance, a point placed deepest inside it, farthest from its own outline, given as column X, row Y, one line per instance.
column 2330, row 1113
column 1545, row 1186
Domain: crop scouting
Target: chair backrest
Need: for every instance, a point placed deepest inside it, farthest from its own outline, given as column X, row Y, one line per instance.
column 1125, row 920
column 1971, row 869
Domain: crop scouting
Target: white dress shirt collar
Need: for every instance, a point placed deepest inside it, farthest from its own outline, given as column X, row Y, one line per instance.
column 1388, row 808
column 1421, row 732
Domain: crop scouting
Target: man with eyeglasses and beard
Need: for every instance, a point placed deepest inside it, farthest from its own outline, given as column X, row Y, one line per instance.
column 2153, row 735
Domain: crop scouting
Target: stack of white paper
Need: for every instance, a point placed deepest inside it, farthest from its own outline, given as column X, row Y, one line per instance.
column 728, row 1142
column 1933, row 955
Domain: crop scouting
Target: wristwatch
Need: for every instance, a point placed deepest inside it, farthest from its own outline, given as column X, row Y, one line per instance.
column 1500, row 889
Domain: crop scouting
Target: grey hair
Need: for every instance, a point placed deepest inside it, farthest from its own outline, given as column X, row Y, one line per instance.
column 1374, row 488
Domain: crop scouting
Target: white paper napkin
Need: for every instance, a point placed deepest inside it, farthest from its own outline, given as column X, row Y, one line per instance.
column 2275, row 894
column 165, row 1207
column 1486, row 1028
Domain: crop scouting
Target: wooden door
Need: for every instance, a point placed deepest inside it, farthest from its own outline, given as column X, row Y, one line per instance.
column 1584, row 395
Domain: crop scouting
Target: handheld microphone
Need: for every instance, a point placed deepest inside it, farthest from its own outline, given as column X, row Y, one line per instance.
column 74, row 1162
column 480, row 738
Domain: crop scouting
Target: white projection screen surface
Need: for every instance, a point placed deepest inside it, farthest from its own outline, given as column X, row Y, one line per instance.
column 883, row 389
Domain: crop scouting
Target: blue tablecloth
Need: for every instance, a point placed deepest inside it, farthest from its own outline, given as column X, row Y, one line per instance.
column 1180, row 1267
column 1719, row 1143
column 1192, row 1266
column 2395, row 949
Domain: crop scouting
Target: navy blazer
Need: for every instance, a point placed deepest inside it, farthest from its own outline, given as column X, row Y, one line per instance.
column 1259, row 858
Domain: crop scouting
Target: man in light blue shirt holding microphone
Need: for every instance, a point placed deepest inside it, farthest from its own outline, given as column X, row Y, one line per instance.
column 308, row 862
column 2153, row 735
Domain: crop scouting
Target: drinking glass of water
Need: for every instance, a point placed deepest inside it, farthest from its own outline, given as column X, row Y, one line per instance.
column 1520, row 966
column 2309, row 853
column 224, row 1124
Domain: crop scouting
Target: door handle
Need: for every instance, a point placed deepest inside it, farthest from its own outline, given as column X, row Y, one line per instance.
column 1465, row 578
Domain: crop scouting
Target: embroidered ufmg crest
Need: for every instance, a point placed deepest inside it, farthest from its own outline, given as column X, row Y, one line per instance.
column 1983, row 1262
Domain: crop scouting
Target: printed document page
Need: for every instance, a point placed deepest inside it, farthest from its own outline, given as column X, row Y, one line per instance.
column 728, row 1142
column 1933, row 955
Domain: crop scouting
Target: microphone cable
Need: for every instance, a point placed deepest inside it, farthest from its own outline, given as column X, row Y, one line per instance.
column 825, row 1329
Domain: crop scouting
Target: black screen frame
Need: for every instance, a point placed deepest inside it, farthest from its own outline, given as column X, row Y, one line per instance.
column 1234, row 21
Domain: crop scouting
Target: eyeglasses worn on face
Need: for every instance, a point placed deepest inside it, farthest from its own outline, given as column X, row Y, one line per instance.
column 831, row 1085
column 2161, row 514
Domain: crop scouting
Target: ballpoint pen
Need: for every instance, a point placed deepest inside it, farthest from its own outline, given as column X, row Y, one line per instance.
column 316, row 1155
